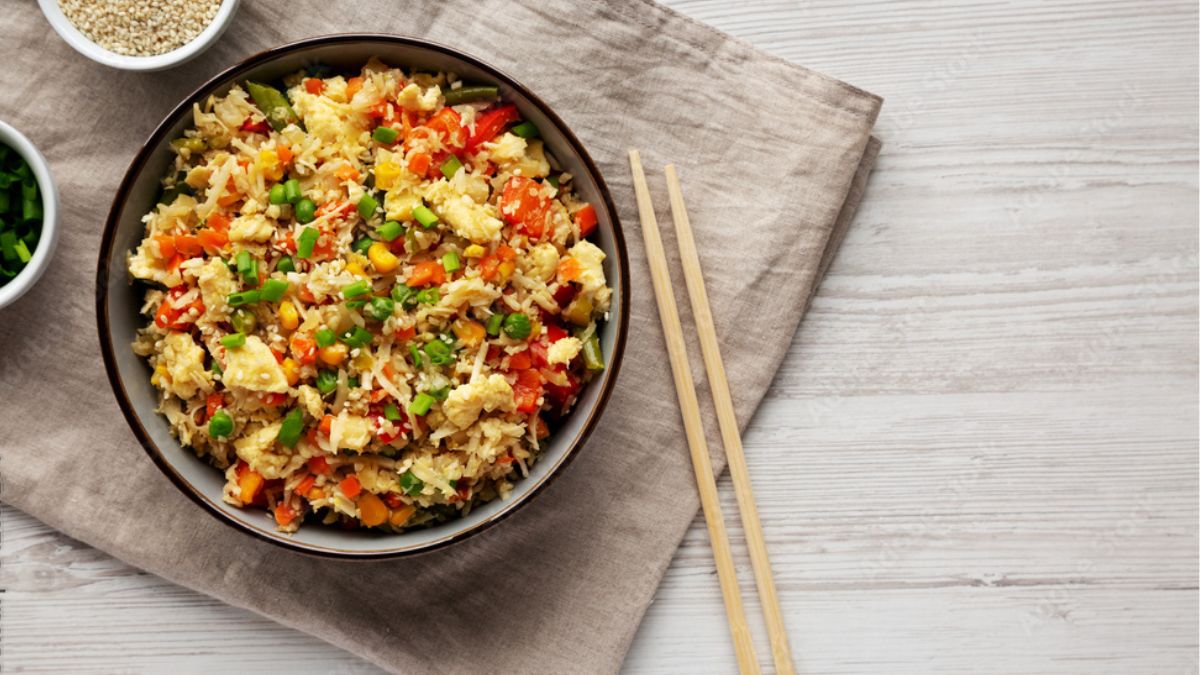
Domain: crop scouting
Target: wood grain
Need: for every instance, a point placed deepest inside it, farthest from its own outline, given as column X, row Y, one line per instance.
column 981, row 452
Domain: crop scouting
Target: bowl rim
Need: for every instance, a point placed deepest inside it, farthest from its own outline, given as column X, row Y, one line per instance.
column 28, row 277
column 104, row 331
column 178, row 56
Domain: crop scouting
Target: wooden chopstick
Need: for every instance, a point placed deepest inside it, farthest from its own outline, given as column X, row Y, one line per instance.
column 781, row 653
column 693, row 427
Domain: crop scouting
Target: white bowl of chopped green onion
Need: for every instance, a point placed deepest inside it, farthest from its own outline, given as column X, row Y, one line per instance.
column 139, row 35
column 28, row 214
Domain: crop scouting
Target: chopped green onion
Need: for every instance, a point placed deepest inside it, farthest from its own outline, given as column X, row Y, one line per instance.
column 325, row 337
column 593, row 358
column 420, row 405
column 247, row 268
column 493, row 324
column 243, row 298
column 285, row 264
column 424, row 216
column 215, row 367
column 291, row 191
column 390, row 231
column 273, row 104
column 525, row 130
column 412, row 485
column 381, row 308
column 352, row 382
column 416, row 355
column 220, row 425
column 273, row 290
column 441, row 393
column 8, row 245
column 553, row 180
column 407, row 297
column 23, row 252
column 233, row 340
column 355, row 289
column 391, row 413
column 385, row 135
column 362, row 244
column 451, row 167
column 278, row 194
column 306, row 241
column 470, row 94
column 306, row 210
column 326, row 381
column 517, row 326
column 451, row 263
column 356, row 337
column 439, row 353
column 292, row 428
column 243, row 320
column 356, row 304
column 367, row 206
column 428, row 296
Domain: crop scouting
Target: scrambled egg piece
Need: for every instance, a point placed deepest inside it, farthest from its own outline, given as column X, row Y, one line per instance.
column 400, row 203
column 254, row 227
column 310, row 398
column 467, row 401
column 253, row 366
column 254, row 448
column 540, row 263
column 412, row 98
column 216, row 284
column 564, row 350
column 506, row 149
column 352, row 432
column 468, row 219
column 184, row 363
column 533, row 164
column 591, row 277
column 473, row 291
column 146, row 264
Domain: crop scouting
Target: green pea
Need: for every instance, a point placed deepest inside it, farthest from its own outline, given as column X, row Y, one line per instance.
column 517, row 326
column 306, row 210
column 243, row 320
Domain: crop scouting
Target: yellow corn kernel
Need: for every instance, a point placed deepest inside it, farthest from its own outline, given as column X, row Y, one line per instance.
column 289, row 318
column 334, row 354
column 386, row 174
column 315, row 493
column 474, row 251
column 382, row 258
column 356, row 269
column 471, row 333
column 291, row 371
column 160, row 372
column 268, row 164
column 401, row 515
column 505, row 270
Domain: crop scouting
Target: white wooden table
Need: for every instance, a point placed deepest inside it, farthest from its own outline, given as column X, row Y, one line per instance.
column 981, row 453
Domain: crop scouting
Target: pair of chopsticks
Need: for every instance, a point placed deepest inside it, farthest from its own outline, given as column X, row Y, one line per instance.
column 694, row 429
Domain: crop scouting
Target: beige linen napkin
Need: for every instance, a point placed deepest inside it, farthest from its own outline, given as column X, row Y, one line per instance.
column 773, row 159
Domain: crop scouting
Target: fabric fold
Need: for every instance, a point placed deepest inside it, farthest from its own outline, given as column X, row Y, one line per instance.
column 774, row 159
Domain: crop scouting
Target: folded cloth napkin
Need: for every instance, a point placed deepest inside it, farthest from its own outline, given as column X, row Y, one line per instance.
column 773, row 160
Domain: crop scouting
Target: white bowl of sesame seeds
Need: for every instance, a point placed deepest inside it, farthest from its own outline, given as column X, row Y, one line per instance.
column 139, row 34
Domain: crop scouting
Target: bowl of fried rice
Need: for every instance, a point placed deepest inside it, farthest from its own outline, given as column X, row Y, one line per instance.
column 362, row 296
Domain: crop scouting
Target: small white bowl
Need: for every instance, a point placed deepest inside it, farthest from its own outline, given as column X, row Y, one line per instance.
column 37, row 264
column 84, row 45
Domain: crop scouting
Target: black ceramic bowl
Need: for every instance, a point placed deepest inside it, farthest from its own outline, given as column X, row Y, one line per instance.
column 118, row 301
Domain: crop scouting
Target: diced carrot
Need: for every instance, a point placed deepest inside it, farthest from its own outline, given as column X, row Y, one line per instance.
column 448, row 124
column 275, row 400
column 506, row 253
column 326, row 424
column 218, row 221
column 387, row 369
column 166, row 246
column 419, row 163
column 585, row 219
column 285, row 154
column 378, row 395
column 353, row 86
column 305, row 294
column 313, row 85
column 277, row 354
column 304, row 348
column 524, row 204
column 569, row 269
column 393, row 500
column 350, row 486
column 284, row 514
column 318, row 465
column 506, row 458
column 175, row 261
column 213, row 403
column 305, row 485
column 371, row 510
column 188, row 245
column 212, row 240
column 347, row 172
column 406, row 333
column 426, row 273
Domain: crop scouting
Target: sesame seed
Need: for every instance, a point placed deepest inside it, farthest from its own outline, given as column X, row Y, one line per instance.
column 140, row 27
